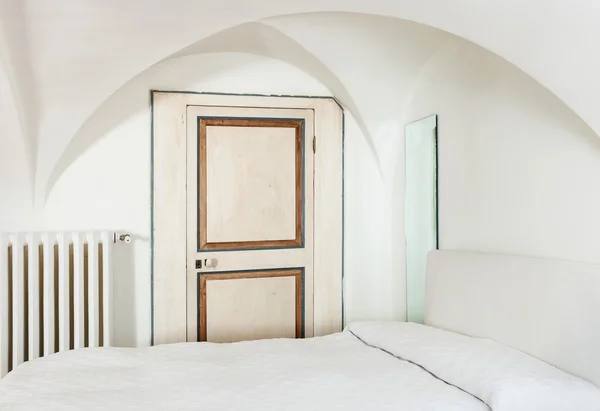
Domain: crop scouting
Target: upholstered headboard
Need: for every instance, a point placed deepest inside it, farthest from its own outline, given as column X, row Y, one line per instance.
column 549, row 309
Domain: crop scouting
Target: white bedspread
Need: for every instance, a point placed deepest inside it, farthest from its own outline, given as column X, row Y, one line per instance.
column 337, row 372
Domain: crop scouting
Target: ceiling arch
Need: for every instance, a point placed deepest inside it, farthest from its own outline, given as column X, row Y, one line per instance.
column 252, row 38
column 81, row 51
column 15, row 65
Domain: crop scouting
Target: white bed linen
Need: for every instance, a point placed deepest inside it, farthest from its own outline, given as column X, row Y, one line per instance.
column 337, row 372
column 504, row 378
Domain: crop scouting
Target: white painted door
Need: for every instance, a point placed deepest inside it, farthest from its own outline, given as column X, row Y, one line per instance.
column 250, row 176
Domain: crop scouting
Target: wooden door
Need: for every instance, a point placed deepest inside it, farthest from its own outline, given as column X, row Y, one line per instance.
column 250, row 176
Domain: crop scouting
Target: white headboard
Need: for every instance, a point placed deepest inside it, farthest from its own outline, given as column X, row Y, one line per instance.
column 549, row 309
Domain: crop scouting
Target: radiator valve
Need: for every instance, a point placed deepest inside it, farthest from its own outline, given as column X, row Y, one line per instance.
column 124, row 238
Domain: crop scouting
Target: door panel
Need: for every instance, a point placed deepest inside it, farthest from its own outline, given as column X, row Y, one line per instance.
column 251, row 183
column 268, row 304
column 250, row 210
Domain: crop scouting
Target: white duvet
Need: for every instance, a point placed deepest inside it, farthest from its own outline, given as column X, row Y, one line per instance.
column 358, row 369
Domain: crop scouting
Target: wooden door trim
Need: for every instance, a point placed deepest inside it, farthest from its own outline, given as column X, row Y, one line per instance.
column 298, row 273
column 169, row 237
column 298, row 126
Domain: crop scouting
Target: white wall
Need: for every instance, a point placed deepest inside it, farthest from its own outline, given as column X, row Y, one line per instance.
column 517, row 170
column 516, row 166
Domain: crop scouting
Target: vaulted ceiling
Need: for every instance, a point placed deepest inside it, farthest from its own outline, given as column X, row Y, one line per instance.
column 61, row 59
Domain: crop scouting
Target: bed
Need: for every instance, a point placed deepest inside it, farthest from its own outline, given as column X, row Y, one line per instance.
column 503, row 333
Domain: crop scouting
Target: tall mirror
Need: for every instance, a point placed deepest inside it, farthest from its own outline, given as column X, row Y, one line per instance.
column 421, row 210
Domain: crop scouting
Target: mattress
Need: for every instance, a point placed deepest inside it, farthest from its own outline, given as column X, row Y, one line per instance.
column 342, row 371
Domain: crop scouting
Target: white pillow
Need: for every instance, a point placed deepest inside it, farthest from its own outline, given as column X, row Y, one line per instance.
column 504, row 378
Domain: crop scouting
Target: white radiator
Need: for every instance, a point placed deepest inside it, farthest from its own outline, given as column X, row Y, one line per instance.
column 55, row 294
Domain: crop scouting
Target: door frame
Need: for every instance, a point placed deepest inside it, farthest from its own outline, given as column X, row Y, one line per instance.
column 169, row 236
